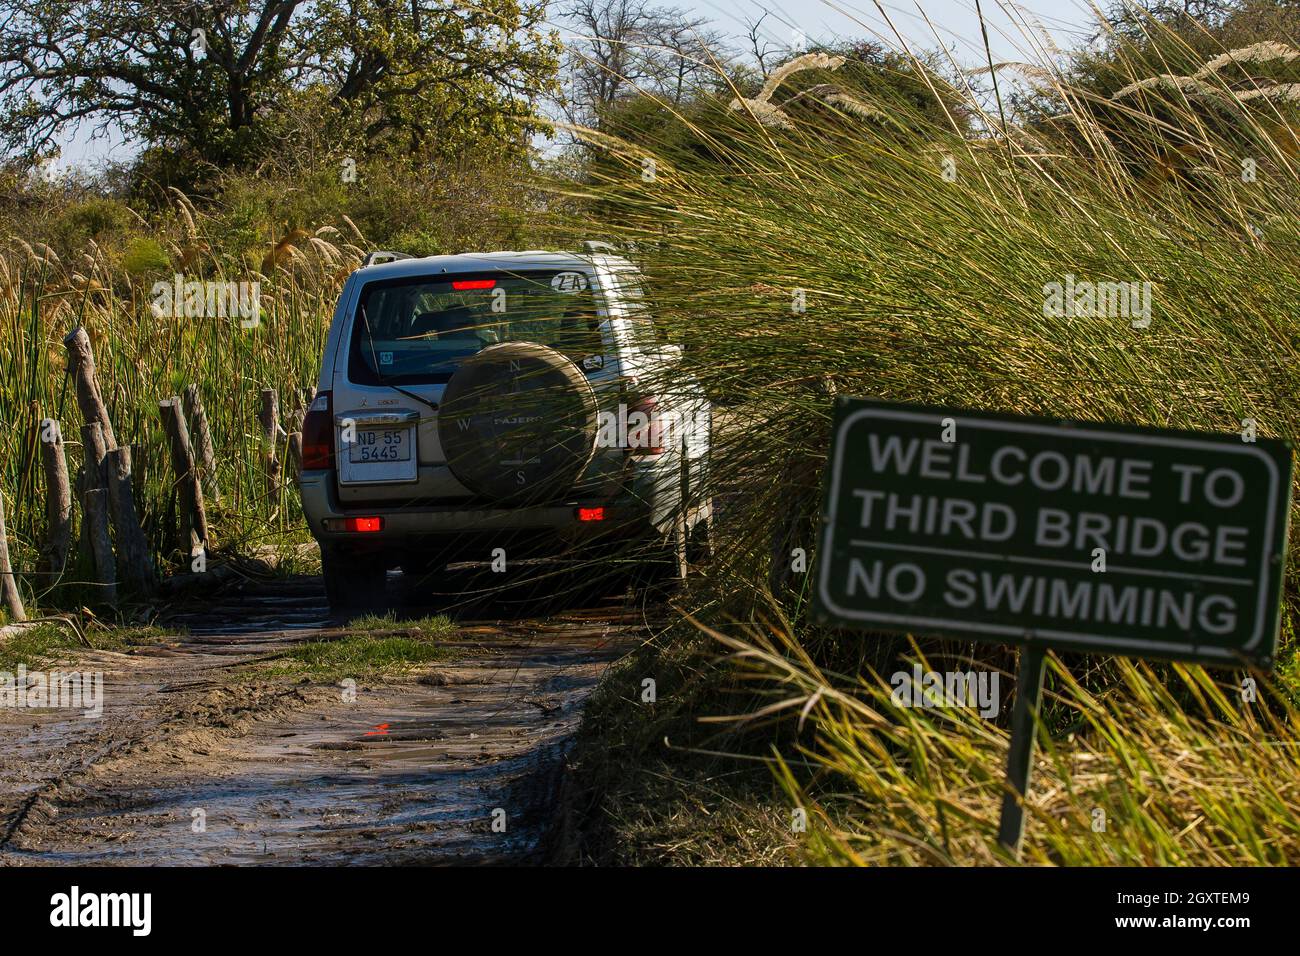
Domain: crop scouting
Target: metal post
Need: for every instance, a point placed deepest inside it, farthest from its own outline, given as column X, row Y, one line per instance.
column 1020, row 758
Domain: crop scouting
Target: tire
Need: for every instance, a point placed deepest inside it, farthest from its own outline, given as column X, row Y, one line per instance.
column 699, row 544
column 517, row 423
column 352, row 584
column 665, row 567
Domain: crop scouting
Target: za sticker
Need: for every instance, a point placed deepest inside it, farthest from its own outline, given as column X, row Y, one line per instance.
column 569, row 282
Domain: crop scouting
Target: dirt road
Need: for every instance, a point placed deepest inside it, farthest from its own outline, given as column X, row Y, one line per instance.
column 196, row 760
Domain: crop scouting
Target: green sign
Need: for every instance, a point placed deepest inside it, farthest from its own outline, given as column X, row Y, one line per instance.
column 1103, row 538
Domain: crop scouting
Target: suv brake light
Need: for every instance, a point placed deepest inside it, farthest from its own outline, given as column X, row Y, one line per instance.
column 318, row 434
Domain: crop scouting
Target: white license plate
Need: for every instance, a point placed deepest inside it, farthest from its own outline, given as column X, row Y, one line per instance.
column 381, row 445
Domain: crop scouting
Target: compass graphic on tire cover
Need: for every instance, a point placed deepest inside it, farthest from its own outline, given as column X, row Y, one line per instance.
column 518, row 423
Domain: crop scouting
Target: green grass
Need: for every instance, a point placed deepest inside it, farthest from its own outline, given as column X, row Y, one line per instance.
column 125, row 638
column 431, row 626
column 920, row 288
column 36, row 647
column 384, row 647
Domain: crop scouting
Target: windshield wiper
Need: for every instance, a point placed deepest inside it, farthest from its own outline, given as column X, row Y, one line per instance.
column 374, row 361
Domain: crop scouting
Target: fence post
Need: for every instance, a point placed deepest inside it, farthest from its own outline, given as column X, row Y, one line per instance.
column 132, row 549
column 92, row 471
column 95, row 508
column 203, row 440
column 295, row 455
column 81, row 365
column 194, row 519
column 269, row 417
column 8, row 582
column 293, row 421
column 95, row 450
column 58, row 501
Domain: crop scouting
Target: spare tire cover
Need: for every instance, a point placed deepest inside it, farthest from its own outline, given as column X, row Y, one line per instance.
column 517, row 422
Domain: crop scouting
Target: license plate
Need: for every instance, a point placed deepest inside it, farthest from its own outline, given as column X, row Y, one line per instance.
column 381, row 445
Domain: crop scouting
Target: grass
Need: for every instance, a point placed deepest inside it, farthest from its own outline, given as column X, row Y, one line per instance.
column 124, row 638
column 376, row 646
column 837, row 251
column 832, row 255
column 36, row 647
column 141, row 359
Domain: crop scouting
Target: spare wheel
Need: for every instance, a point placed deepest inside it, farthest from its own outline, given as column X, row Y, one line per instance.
column 518, row 423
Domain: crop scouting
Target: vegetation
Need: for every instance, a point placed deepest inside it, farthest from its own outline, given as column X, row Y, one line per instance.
column 35, row 647
column 374, row 647
column 905, row 257
column 855, row 221
column 226, row 85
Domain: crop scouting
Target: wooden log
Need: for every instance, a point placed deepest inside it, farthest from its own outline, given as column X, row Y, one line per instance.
column 203, row 447
column 193, row 516
column 58, row 502
column 93, row 472
column 295, row 455
column 13, row 600
column 293, row 421
column 269, row 418
column 134, row 563
column 81, row 366
column 95, row 508
column 95, row 449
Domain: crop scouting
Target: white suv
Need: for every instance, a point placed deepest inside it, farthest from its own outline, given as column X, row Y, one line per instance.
column 509, row 400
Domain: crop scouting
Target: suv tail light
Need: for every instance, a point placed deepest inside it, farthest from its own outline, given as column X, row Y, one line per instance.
column 318, row 435
column 645, row 432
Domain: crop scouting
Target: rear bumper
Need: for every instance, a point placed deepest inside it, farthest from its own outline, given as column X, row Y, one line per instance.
column 405, row 524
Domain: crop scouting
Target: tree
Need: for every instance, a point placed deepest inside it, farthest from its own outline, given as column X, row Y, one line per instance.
column 215, row 79
column 626, row 47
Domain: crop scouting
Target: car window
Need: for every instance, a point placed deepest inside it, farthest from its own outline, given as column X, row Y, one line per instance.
column 418, row 330
column 630, row 288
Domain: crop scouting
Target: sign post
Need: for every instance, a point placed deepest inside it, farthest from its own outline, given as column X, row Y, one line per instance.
column 1053, row 534
column 1020, row 756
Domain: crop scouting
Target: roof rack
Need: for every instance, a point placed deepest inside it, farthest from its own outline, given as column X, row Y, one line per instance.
column 381, row 255
column 594, row 248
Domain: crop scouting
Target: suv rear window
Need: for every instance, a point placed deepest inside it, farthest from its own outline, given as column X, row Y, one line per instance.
column 417, row 330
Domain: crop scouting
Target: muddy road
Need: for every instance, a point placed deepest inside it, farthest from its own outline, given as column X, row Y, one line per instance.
column 197, row 759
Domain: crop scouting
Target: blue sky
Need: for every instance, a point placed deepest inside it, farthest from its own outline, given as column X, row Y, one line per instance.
column 954, row 22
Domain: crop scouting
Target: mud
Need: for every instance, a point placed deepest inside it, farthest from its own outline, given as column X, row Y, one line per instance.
column 194, row 761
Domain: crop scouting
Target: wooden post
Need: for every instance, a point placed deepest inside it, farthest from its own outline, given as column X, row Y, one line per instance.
column 132, row 549
column 269, row 418
column 198, row 415
column 81, row 366
column 93, row 473
column 295, row 455
column 58, row 502
column 95, row 450
column 8, row 581
column 194, row 519
column 95, row 506
column 293, row 421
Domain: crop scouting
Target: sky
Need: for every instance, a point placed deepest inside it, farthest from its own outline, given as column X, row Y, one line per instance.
column 954, row 22
column 1012, row 35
